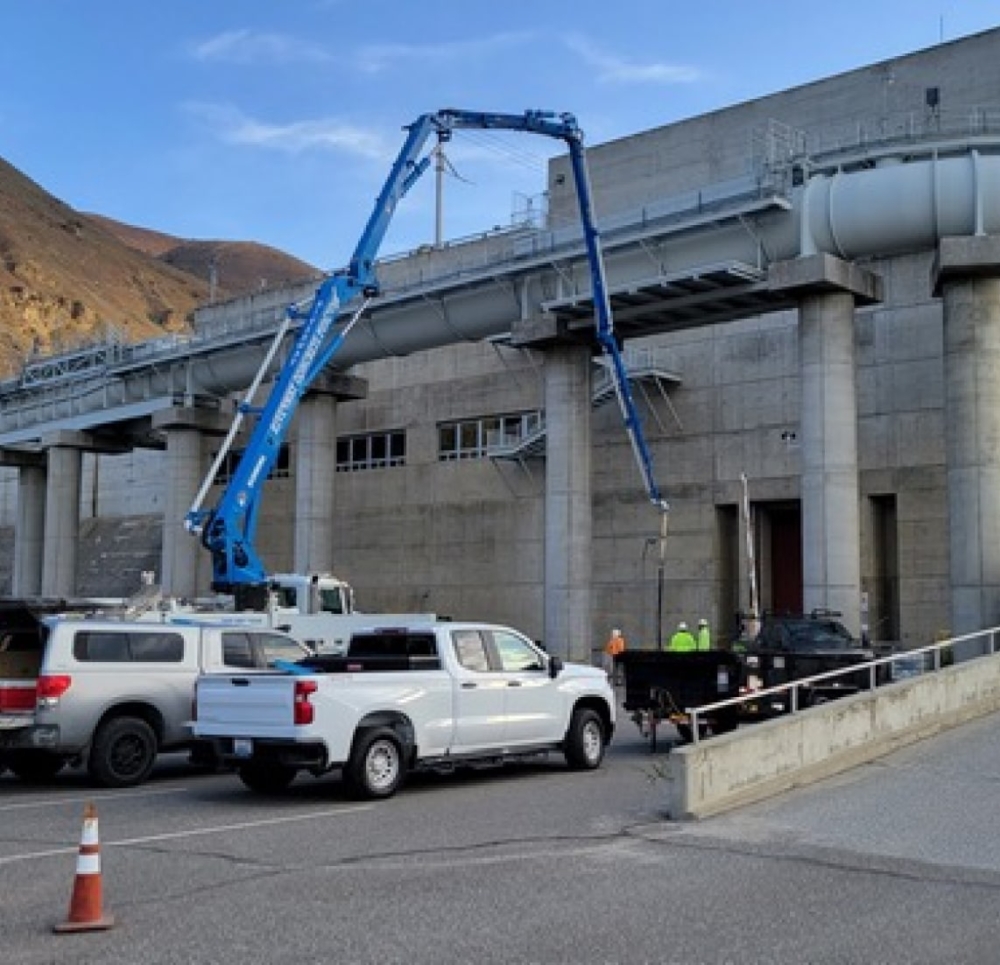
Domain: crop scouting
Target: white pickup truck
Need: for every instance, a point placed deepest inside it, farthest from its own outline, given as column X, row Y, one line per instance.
column 436, row 695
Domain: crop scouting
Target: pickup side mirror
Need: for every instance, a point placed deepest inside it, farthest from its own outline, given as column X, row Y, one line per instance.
column 555, row 666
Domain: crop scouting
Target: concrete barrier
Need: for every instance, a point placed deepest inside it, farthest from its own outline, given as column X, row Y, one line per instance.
column 760, row 760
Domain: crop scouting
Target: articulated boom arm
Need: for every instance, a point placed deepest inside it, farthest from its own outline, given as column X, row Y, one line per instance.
column 228, row 530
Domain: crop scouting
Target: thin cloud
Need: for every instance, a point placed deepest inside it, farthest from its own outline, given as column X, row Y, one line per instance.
column 251, row 47
column 232, row 126
column 616, row 70
column 376, row 58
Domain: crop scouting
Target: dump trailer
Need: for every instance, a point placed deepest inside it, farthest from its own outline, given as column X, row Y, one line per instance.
column 663, row 686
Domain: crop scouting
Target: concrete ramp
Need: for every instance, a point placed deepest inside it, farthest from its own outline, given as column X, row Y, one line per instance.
column 761, row 760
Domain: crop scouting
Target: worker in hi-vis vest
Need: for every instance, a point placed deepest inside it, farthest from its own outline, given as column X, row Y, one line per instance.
column 614, row 646
column 704, row 635
column 682, row 641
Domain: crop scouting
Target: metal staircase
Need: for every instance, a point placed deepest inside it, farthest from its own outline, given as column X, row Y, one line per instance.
column 646, row 370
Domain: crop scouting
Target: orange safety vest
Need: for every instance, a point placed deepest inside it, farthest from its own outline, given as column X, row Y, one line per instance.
column 615, row 645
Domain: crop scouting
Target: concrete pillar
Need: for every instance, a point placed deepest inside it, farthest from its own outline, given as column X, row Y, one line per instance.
column 315, row 469
column 967, row 275
column 62, row 516
column 29, row 532
column 568, row 527
column 827, row 289
column 183, row 560
column 181, row 551
column 831, row 558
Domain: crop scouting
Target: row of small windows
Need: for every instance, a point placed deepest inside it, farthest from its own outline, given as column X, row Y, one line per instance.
column 471, row 438
column 280, row 470
column 376, row 450
column 464, row 439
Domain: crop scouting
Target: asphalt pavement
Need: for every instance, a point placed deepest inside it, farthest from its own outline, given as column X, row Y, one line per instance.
column 895, row 862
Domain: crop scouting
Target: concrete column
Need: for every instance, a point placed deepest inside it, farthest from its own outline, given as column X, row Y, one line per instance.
column 181, row 551
column 831, row 557
column 968, row 278
column 315, row 470
column 568, row 527
column 183, row 560
column 62, row 519
column 827, row 289
column 29, row 532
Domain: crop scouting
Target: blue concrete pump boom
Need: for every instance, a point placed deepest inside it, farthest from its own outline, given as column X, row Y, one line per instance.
column 229, row 529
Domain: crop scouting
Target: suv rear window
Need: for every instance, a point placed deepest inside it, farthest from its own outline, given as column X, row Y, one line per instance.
column 112, row 646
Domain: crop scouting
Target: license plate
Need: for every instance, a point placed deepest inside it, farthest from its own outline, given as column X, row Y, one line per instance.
column 242, row 747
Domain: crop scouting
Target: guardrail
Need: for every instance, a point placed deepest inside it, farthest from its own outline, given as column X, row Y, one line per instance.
column 932, row 658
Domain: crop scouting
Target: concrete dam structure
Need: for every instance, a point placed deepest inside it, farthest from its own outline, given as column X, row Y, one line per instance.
column 816, row 314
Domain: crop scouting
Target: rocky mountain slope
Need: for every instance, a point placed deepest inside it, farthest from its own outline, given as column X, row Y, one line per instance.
column 69, row 278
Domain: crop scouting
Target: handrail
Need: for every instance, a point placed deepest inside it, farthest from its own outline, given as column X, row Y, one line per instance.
column 990, row 636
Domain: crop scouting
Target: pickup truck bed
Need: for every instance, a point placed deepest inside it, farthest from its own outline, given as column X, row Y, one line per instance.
column 430, row 696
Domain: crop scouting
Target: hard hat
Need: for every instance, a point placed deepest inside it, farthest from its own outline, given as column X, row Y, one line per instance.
column 682, row 625
column 703, row 622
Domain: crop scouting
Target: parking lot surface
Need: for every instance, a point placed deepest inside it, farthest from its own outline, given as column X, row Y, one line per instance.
column 893, row 862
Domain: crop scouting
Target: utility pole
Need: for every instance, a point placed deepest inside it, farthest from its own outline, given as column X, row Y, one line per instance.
column 439, row 164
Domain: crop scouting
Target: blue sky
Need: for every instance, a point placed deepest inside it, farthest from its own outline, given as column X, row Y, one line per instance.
column 278, row 122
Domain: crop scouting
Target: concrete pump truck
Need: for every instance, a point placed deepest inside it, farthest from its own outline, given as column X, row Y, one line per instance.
column 228, row 529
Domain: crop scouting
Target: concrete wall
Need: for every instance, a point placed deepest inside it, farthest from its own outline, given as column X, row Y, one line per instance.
column 758, row 761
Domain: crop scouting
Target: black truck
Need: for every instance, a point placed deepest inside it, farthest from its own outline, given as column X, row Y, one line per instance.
column 795, row 646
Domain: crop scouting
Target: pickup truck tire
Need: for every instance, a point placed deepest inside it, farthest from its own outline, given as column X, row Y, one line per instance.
column 123, row 753
column 375, row 768
column 34, row 767
column 266, row 778
column 585, row 743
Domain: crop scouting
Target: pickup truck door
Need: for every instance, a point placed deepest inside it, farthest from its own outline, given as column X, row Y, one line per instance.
column 480, row 693
column 533, row 705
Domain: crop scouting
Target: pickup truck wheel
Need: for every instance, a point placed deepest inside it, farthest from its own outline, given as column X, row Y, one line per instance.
column 34, row 767
column 585, row 740
column 267, row 778
column 375, row 768
column 123, row 752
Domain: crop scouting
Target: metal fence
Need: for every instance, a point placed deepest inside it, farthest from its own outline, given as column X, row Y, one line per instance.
column 903, row 665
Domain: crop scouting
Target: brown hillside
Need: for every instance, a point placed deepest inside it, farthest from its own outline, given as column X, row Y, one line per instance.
column 146, row 240
column 68, row 279
column 65, row 280
column 241, row 267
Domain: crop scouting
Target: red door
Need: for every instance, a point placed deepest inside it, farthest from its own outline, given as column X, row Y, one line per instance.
column 786, row 559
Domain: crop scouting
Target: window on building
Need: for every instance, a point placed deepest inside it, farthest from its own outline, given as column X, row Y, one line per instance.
column 374, row 450
column 280, row 470
column 472, row 438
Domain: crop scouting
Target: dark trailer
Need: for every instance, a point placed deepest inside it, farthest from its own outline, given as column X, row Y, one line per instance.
column 663, row 685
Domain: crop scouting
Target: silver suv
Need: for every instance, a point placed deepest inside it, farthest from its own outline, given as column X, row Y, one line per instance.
column 112, row 694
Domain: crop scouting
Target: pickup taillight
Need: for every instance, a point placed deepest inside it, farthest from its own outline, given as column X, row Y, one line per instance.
column 304, row 711
column 53, row 686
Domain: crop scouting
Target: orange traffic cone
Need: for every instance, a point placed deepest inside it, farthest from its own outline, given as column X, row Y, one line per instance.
column 85, row 905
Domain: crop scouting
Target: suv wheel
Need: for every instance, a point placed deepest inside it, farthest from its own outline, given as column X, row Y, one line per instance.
column 123, row 752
